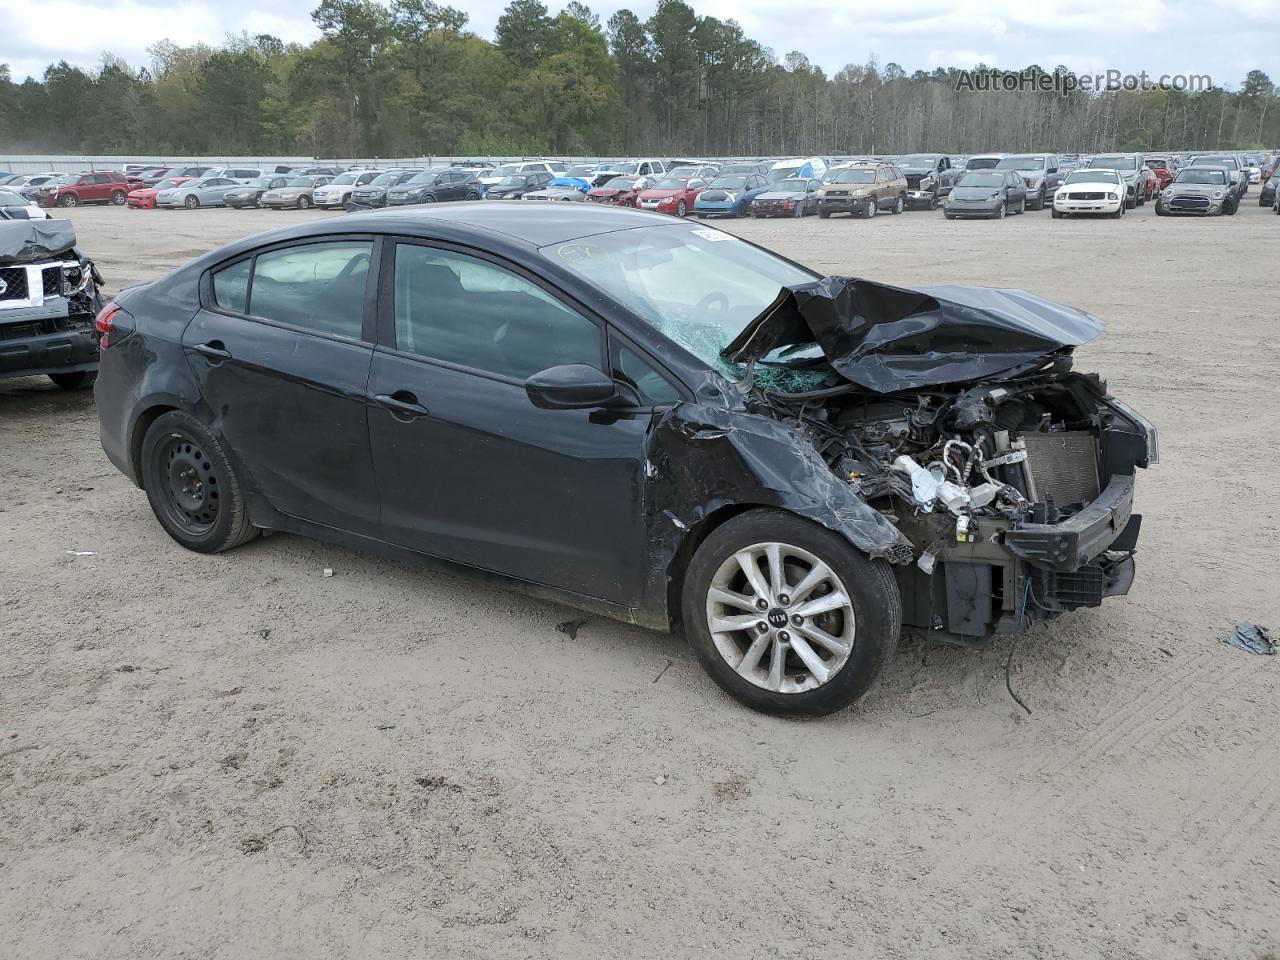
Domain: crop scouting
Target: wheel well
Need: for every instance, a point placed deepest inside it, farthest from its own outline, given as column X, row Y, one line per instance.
column 689, row 546
column 140, row 428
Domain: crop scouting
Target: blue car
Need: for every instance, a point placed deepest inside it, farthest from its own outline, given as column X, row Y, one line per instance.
column 729, row 195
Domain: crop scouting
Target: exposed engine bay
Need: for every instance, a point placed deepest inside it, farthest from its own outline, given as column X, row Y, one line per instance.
column 1013, row 486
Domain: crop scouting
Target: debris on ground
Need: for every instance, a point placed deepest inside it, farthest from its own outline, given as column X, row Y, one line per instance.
column 81, row 553
column 1252, row 639
column 437, row 782
column 570, row 627
column 256, row 843
column 126, row 668
column 660, row 780
column 328, row 571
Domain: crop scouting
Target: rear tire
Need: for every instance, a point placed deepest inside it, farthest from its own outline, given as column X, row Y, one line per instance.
column 867, row 623
column 118, row 197
column 192, row 486
column 76, row 380
column 900, row 204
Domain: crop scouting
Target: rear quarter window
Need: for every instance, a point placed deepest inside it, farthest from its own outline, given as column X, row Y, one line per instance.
column 231, row 286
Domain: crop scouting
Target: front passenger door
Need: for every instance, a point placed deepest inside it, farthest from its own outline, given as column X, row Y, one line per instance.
column 467, row 467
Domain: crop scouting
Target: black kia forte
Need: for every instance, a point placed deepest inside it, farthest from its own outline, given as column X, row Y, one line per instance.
column 641, row 417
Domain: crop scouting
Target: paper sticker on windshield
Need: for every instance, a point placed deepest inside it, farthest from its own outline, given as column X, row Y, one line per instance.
column 714, row 236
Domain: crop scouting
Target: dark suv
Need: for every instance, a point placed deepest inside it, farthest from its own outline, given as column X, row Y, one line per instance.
column 1039, row 171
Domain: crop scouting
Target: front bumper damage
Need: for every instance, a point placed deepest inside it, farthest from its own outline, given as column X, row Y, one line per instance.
column 955, row 414
column 48, row 300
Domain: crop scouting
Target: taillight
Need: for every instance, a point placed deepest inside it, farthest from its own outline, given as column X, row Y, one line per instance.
column 114, row 323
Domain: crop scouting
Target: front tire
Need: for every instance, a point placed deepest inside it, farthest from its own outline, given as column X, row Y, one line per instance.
column 304, row 203
column 1000, row 211
column 786, row 616
column 67, row 200
column 873, row 207
column 681, row 209
column 192, row 486
column 192, row 202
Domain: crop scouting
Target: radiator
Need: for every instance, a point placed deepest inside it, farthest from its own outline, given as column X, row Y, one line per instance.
column 1064, row 466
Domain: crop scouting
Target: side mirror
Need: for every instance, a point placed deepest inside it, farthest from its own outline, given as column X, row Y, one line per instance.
column 573, row 386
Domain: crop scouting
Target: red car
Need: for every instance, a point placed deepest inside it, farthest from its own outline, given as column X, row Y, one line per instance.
column 1160, row 167
column 621, row 191
column 144, row 198
column 674, row 195
column 110, row 187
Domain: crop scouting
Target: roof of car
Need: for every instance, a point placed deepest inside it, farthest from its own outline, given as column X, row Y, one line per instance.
column 535, row 224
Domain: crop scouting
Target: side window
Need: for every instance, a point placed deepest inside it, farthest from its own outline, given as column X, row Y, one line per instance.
column 653, row 387
column 231, row 286
column 644, row 169
column 315, row 286
column 468, row 311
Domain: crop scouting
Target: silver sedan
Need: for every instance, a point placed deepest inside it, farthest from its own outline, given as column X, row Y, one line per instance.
column 205, row 192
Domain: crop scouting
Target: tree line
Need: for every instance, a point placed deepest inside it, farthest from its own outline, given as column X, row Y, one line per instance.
column 409, row 79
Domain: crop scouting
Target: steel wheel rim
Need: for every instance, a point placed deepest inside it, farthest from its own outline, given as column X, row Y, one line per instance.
column 188, row 485
column 780, row 617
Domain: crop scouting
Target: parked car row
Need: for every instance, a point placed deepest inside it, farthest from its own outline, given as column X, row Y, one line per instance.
column 982, row 185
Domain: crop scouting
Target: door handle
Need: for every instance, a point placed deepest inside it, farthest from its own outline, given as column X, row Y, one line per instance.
column 215, row 351
column 403, row 405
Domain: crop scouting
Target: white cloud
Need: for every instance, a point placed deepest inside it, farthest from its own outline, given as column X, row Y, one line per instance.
column 1225, row 40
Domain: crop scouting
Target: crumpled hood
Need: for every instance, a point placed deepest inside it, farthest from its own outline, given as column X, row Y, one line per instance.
column 888, row 339
column 29, row 241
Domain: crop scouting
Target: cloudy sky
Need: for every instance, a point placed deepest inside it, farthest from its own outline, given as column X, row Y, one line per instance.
column 1223, row 38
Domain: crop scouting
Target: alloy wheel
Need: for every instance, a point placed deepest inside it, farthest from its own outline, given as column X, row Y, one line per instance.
column 780, row 617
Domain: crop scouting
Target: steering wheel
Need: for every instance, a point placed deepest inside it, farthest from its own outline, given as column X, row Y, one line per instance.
column 715, row 296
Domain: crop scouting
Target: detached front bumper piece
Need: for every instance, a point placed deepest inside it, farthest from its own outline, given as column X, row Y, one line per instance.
column 1080, row 539
column 922, row 199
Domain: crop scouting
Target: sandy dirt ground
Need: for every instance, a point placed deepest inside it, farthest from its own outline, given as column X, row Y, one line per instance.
column 235, row 757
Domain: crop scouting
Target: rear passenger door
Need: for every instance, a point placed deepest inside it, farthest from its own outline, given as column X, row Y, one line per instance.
column 281, row 349
column 467, row 467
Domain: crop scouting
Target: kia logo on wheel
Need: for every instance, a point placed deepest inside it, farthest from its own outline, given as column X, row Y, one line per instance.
column 777, row 617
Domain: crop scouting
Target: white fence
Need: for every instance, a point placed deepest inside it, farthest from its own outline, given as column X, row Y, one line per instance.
column 75, row 164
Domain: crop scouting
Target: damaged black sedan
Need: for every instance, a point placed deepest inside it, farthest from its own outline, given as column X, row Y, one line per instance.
column 641, row 417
